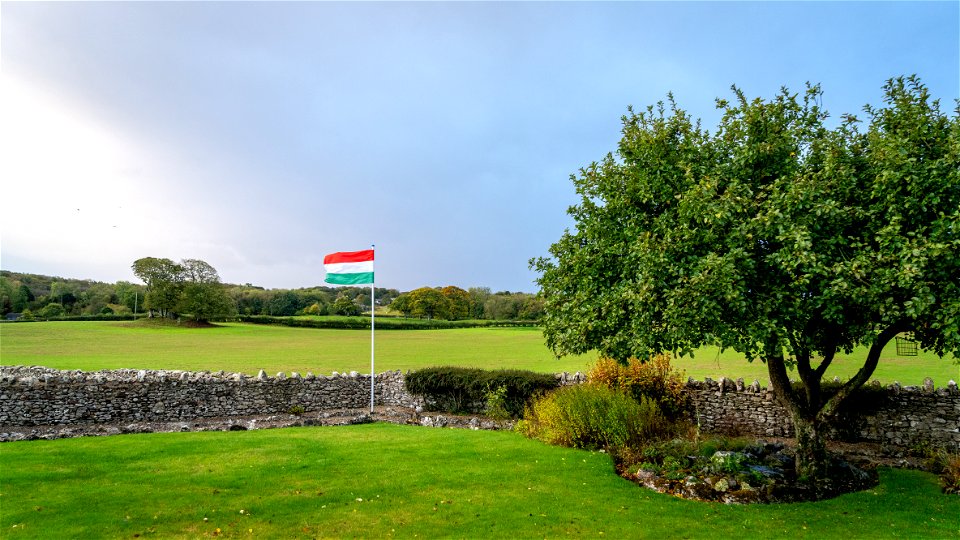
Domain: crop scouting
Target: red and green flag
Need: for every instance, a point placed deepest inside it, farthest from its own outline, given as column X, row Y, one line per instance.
column 349, row 267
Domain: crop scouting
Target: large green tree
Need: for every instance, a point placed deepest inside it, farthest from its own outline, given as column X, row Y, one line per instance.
column 458, row 302
column 777, row 236
column 203, row 296
column 164, row 281
column 191, row 286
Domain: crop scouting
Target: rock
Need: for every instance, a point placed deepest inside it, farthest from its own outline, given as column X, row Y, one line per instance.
column 362, row 419
column 644, row 475
column 779, row 461
column 767, row 472
column 721, row 485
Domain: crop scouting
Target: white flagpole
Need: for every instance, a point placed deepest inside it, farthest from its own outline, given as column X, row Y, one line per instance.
column 373, row 373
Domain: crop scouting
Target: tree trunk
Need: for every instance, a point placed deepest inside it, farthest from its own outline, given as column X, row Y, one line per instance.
column 808, row 412
column 811, row 458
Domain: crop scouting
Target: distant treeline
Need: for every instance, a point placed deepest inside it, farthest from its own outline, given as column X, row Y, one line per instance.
column 55, row 297
column 382, row 323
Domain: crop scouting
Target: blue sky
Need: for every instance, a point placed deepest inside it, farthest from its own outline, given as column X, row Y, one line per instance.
column 260, row 136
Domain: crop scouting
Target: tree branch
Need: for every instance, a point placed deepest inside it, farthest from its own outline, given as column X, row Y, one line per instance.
column 777, row 369
column 869, row 365
column 827, row 359
column 809, row 377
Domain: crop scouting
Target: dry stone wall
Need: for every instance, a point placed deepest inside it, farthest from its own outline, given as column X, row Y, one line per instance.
column 895, row 417
column 31, row 396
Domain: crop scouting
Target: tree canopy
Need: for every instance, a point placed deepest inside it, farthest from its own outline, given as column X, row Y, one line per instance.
column 191, row 286
column 777, row 236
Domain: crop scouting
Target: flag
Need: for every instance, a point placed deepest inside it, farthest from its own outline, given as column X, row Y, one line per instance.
column 349, row 267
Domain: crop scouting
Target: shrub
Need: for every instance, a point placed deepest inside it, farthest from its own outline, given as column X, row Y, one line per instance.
column 942, row 463
column 52, row 310
column 496, row 403
column 451, row 389
column 296, row 410
column 653, row 378
column 950, row 477
column 460, row 390
column 593, row 416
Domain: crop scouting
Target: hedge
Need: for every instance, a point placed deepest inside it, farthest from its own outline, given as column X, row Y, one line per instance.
column 360, row 323
column 462, row 390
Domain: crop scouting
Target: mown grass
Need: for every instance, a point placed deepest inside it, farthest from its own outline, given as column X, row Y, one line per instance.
column 907, row 370
column 248, row 348
column 388, row 481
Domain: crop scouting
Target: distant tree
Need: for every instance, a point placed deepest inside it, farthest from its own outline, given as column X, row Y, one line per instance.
column 384, row 297
column 429, row 303
column 363, row 302
column 344, row 305
column 478, row 299
column 531, row 308
column 52, row 309
column 95, row 297
column 7, row 292
column 458, row 306
column 203, row 296
column 164, row 281
column 315, row 309
column 283, row 304
column 197, row 271
column 402, row 304
column 309, row 297
column 250, row 300
column 129, row 295
column 22, row 298
column 69, row 301
column 59, row 289
column 502, row 306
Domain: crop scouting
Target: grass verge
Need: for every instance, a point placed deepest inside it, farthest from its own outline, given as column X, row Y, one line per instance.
column 383, row 480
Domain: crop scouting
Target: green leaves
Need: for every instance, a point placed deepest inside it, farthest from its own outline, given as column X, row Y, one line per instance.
column 775, row 233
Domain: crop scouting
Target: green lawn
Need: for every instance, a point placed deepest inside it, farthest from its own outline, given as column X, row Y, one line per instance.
column 382, row 480
column 248, row 348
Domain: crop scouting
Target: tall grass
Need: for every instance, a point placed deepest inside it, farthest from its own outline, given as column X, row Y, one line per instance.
column 594, row 417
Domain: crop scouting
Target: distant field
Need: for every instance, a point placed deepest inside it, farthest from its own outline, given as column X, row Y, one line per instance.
column 248, row 348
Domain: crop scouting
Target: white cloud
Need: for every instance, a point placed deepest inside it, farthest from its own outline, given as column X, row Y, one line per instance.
column 75, row 190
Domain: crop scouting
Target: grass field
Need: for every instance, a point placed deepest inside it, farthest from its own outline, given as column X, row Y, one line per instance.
column 249, row 348
column 384, row 481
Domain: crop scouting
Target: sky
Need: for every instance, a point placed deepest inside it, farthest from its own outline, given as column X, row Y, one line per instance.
column 259, row 137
